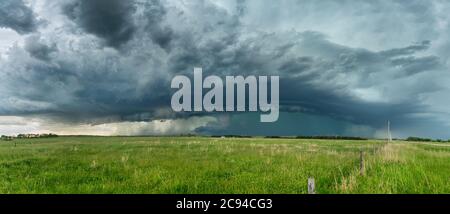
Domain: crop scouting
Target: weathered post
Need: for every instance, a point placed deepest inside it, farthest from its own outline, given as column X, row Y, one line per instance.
column 311, row 186
column 361, row 163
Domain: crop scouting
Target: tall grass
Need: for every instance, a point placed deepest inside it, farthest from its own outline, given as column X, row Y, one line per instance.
column 212, row 165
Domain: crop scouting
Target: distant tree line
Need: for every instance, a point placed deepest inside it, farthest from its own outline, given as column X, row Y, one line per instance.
column 231, row 136
column 27, row 136
column 412, row 139
column 419, row 139
column 321, row 137
column 332, row 137
column 294, row 137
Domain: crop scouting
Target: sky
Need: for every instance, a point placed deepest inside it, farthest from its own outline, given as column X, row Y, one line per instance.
column 104, row 67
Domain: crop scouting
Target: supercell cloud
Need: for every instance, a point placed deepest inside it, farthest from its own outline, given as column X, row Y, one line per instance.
column 105, row 66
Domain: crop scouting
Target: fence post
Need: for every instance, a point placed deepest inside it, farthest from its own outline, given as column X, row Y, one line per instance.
column 361, row 163
column 311, row 186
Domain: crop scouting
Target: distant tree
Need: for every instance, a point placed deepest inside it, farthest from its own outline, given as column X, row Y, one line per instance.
column 331, row 137
column 418, row 139
column 52, row 135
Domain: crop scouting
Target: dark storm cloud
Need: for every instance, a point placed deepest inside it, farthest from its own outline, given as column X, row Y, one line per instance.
column 117, row 21
column 412, row 65
column 318, row 83
column 37, row 49
column 71, row 77
column 110, row 20
column 153, row 13
column 297, row 65
column 408, row 50
column 16, row 15
column 313, row 83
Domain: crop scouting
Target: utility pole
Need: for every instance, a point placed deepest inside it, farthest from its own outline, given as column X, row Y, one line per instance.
column 389, row 136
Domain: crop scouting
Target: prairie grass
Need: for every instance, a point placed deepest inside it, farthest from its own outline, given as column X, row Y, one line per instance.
column 212, row 165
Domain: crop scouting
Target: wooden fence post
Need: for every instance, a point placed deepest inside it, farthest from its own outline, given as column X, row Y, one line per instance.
column 311, row 186
column 361, row 163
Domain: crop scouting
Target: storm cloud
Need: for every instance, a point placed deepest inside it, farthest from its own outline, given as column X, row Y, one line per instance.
column 108, row 19
column 346, row 70
column 16, row 15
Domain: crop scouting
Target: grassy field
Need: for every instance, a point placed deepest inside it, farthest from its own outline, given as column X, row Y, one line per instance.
column 213, row 165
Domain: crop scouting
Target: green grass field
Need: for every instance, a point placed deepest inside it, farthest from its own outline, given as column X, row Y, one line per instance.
column 213, row 165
